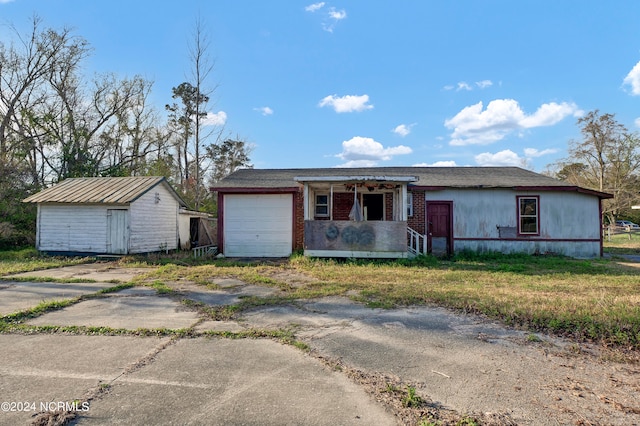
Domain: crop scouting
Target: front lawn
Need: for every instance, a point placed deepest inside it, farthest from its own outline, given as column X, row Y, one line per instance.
column 590, row 300
column 594, row 300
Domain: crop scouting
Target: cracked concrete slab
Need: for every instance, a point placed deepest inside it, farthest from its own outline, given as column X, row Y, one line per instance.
column 56, row 368
column 221, row 326
column 221, row 382
column 230, row 295
column 130, row 313
column 18, row 296
column 104, row 272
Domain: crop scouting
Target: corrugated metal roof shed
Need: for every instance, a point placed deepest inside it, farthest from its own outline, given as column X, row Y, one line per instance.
column 101, row 190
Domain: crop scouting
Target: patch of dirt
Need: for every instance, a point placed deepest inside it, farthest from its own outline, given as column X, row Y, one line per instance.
column 409, row 407
column 291, row 277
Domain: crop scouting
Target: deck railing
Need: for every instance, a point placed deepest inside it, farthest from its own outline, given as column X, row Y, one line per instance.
column 210, row 250
column 416, row 242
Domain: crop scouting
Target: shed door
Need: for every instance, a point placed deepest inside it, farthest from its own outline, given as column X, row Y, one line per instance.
column 117, row 231
column 258, row 225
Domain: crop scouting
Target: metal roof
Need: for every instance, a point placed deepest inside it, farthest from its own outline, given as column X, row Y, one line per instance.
column 101, row 190
column 426, row 177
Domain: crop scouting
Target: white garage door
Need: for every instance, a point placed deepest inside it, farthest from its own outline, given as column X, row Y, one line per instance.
column 258, row 225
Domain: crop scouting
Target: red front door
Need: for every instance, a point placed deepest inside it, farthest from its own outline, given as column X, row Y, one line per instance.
column 439, row 227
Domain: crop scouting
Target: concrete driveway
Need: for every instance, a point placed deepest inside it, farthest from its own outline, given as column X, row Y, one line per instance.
column 134, row 380
column 361, row 364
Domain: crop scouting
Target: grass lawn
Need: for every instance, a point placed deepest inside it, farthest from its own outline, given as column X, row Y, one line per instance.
column 594, row 300
column 28, row 259
column 623, row 243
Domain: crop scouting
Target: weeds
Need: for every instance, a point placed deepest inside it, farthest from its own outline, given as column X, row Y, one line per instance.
column 411, row 399
column 38, row 310
column 216, row 313
column 161, row 287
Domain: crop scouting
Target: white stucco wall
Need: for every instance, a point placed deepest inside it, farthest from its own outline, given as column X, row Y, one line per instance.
column 567, row 221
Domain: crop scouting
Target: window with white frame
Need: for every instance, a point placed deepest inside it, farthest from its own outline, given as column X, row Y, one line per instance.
column 322, row 205
column 409, row 204
column 528, row 215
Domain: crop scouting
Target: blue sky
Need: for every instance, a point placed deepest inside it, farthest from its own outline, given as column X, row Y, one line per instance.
column 373, row 83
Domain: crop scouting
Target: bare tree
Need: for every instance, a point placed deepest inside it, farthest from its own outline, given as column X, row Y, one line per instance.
column 189, row 119
column 607, row 159
column 24, row 71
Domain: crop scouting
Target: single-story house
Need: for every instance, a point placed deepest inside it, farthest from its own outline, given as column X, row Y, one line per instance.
column 396, row 212
column 108, row 215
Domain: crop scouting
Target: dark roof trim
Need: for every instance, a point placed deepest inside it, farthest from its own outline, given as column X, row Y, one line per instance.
column 602, row 195
column 428, row 188
column 254, row 190
column 355, row 178
column 598, row 194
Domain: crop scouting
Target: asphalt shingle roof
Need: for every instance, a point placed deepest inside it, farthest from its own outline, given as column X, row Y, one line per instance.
column 451, row 177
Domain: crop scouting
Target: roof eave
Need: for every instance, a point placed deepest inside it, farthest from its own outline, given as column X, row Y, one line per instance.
column 254, row 190
column 601, row 195
column 357, row 178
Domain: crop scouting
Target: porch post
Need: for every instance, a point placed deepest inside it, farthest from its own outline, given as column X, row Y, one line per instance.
column 306, row 201
column 403, row 202
column 331, row 202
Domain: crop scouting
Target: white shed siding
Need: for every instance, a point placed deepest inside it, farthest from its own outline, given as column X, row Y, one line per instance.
column 566, row 219
column 76, row 228
column 154, row 226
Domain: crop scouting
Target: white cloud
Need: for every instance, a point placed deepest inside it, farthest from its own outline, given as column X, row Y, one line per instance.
column 637, row 122
column 314, row 7
column 264, row 110
column 361, row 150
column 215, row 119
column 503, row 159
column 333, row 18
column 338, row 15
column 550, row 114
column 534, row 153
column 475, row 126
column 437, row 164
column 484, row 84
column 403, row 129
column 463, row 85
column 633, row 79
column 348, row 103
column 359, row 163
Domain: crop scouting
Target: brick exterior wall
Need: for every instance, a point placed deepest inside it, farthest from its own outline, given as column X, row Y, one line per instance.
column 417, row 221
column 342, row 204
column 298, row 221
column 388, row 206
